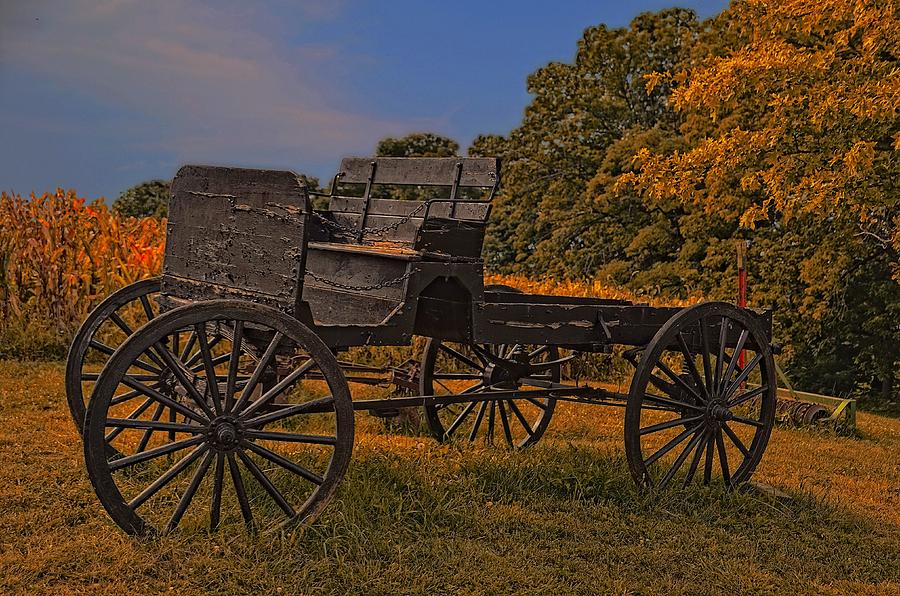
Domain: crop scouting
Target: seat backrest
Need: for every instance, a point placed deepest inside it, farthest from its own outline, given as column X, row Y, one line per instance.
column 404, row 221
column 421, row 171
column 236, row 233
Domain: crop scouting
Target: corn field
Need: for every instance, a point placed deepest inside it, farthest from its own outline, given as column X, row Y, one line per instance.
column 59, row 256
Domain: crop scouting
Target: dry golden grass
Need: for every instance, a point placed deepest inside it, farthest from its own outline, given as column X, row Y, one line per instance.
column 417, row 517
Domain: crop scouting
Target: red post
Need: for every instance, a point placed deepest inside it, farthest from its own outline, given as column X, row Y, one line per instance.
column 742, row 246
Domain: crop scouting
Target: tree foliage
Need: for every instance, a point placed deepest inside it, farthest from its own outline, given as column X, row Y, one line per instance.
column 644, row 160
column 419, row 144
column 147, row 199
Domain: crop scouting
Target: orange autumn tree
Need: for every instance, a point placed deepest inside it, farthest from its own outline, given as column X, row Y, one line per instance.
column 802, row 119
column 790, row 127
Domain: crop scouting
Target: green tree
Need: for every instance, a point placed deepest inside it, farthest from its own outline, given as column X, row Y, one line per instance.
column 578, row 111
column 147, row 199
column 418, row 144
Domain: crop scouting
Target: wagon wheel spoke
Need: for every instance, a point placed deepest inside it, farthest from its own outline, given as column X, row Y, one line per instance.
column 742, row 376
column 723, row 458
column 733, row 360
column 166, row 449
column 461, row 357
column 312, row 406
column 461, row 418
column 745, row 397
column 159, row 397
column 723, row 337
column 671, row 445
column 215, row 506
column 108, row 350
column 695, row 461
column 679, row 381
column 704, row 353
column 154, row 424
column 190, row 343
column 491, row 414
column 267, row 484
column 212, row 381
column 128, row 331
column 261, row 366
column 747, row 421
column 132, row 416
column 121, row 399
column 692, row 366
column 145, row 438
column 679, row 461
column 291, row 437
column 233, row 358
column 176, row 367
column 284, row 463
column 196, row 367
column 735, row 439
column 478, row 418
column 148, row 310
column 708, row 464
column 241, row 492
column 670, row 424
column 505, row 423
column 521, row 417
column 536, row 403
column 188, row 495
column 672, row 404
column 167, row 477
column 278, row 389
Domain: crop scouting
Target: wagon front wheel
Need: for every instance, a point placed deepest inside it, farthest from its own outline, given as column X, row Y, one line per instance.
column 702, row 401
column 238, row 452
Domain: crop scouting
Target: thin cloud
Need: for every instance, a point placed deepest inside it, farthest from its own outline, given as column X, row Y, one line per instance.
column 213, row 76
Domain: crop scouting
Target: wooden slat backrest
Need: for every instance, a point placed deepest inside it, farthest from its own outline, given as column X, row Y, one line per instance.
column 236, row 233
column 421, row 171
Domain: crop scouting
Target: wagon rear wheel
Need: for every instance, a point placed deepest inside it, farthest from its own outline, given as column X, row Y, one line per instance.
column 702, row 400
column 237, row 453
column 104, row 330
column 450, row 368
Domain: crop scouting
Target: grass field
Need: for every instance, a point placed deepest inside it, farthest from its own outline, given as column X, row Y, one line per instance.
column 417, row 517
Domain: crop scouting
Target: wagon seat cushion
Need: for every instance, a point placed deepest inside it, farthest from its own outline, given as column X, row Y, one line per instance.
column 409, row 208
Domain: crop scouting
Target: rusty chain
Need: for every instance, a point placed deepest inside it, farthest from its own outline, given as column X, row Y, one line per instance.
column 384, row 284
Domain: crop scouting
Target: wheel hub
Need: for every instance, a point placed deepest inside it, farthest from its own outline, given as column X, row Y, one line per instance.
column 225, row 433
column 718, row 411
column 498, row 376
column 167, row 382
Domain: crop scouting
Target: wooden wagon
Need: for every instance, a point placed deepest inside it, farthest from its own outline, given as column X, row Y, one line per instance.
column 222, row 395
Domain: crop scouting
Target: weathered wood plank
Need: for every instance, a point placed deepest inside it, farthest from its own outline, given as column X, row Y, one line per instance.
column 424, row 171
column 236, row 232
column 462, row 210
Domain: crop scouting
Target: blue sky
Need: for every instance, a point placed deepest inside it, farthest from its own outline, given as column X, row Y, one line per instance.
column 98, row 95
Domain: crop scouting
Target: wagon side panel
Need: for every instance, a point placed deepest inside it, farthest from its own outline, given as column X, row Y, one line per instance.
column 236, row 233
